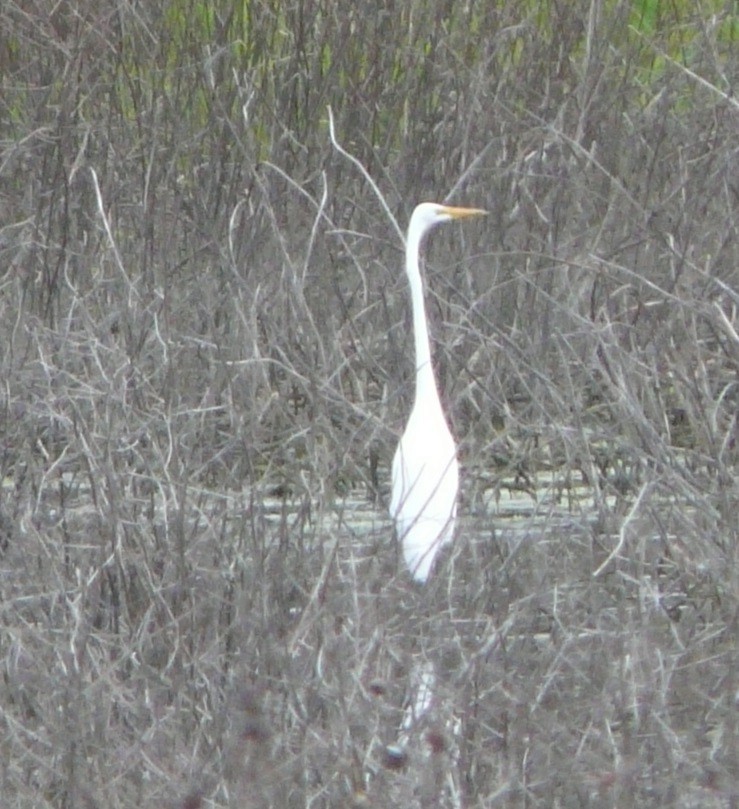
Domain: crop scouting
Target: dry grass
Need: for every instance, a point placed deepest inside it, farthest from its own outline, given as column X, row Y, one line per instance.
column 206, row 362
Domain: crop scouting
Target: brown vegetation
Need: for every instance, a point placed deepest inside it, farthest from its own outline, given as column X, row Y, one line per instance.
column 205, row 364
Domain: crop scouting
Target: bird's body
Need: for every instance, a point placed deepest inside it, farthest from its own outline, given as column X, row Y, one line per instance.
column 425, row 472
column 425, row 483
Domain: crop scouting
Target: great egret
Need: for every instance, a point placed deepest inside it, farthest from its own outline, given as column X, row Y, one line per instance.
column 425, row 473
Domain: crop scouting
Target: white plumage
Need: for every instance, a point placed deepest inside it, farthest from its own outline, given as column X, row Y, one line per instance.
column 425, row 472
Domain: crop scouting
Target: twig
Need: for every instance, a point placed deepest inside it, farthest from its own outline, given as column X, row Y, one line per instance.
column 350, row 157
column 622, row 533
column 109, row 232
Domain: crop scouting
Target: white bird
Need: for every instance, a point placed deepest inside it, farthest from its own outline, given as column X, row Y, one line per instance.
column 425, row 473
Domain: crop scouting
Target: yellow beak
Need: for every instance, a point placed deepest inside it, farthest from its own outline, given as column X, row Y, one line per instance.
column 462, row 213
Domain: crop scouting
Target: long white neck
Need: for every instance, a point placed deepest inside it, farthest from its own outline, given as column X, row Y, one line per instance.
column 426, row 389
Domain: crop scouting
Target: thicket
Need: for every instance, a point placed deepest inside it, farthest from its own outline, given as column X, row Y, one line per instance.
column 206, row 361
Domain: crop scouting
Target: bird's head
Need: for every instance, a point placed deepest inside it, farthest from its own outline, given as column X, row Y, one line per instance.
column 428, row 214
